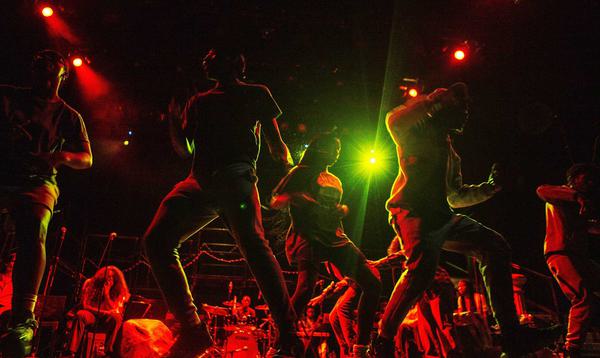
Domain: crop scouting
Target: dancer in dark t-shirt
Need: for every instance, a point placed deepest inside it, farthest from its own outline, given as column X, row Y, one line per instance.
column 221, row 128
column 39, row 133
column 316, row 235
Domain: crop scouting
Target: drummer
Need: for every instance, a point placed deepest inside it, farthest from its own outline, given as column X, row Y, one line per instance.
column 243, row 312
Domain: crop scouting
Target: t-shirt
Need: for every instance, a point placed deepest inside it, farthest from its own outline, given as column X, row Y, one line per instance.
column 30, row 125
column 566, row 229
column 320, row 222
column 224, row 123
column 424, row 154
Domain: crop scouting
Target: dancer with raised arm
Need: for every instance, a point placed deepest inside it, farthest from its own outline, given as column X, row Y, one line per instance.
column 429, row 184
column 221, row 129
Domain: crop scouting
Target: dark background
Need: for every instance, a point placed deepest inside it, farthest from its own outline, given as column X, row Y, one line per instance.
column 531, row 70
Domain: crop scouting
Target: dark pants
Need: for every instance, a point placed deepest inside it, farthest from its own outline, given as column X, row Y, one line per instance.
column 31, row 209
column 232, row 194
column 342, row 318
column 110, row 323
column 578, row 278
column 423, row 238
column 352, row 263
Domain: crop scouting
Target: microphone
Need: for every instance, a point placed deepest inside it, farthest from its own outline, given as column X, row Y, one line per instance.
column 112, row 236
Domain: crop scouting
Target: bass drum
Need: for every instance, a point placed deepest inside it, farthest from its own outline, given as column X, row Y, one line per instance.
column 241, row 344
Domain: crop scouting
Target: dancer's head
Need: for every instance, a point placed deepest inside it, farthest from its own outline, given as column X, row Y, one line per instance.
column 323, row 151
column 49, row 69
column 584, row 177
column 456, row 111
column 224, row 64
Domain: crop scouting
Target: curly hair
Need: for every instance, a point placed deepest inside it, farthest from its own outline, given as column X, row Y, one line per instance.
column 118, row 291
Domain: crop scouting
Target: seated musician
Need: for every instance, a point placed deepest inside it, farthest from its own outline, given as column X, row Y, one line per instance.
column 245, row 313
column 470, row 301
column 102, row 302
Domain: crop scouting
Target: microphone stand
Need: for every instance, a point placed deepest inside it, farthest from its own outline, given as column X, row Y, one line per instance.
column 104, row 257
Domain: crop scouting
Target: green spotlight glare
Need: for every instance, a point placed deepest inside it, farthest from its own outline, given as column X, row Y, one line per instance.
column 372, row 160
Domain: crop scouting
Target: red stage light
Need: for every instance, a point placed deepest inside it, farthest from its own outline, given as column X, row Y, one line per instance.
column 77, row 61
column 47, row 11
column 459, row 55
column 413, row 92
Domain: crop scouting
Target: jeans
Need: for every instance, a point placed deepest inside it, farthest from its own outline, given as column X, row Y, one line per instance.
column 578, row 278
column 423, row 238
column 342, row 318
column 230, row 193
column 352, row 263
column 84, row 318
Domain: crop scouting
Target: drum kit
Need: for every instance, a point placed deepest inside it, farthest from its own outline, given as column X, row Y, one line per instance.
column 240, row 337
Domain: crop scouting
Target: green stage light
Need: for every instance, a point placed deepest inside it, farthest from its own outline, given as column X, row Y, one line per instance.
column 372, row 160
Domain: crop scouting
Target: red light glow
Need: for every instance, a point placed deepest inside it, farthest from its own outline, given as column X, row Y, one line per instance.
column 459, row 55
column 77, row 61
column 92, row 85
column 47, row 11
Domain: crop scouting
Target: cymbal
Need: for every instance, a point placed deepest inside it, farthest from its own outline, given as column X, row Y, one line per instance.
column 216, row 310
column 228, row 303
column 262, row 308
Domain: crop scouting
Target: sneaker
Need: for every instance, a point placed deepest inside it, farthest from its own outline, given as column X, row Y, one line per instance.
column 383, row 348
column 192, row 342
column 529, row 340
column 17, row 341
